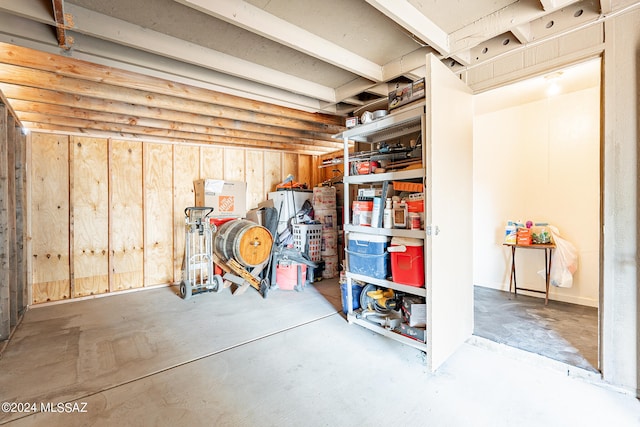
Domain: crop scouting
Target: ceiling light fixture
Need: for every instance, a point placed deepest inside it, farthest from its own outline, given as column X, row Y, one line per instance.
column 554, row 86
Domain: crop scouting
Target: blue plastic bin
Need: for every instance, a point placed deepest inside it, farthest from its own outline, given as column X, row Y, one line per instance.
column 360, row 243
column 356, row 290
column 376, row 266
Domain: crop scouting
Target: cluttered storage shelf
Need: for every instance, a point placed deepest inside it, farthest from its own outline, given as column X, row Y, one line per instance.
column 397, row 279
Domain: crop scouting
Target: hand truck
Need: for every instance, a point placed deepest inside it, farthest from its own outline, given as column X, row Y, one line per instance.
column 197, row 270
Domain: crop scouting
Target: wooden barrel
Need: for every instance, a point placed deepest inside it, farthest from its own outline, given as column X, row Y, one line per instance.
column 245, row 241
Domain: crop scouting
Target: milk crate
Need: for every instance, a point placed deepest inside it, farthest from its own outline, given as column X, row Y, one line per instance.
column 307, row 238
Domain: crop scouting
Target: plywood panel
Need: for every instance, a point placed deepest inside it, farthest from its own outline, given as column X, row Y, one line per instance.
column 50, row 217
column 212, row 163
column 234, row 164
column 126, row 215
column 185, row 170
column 305, row 170
column 21, row 219
column 255, row 178
column 272, row 170
column 158, row 214
column 12, row 219
column 90, row 207
column 290, row 166
column 5, row 304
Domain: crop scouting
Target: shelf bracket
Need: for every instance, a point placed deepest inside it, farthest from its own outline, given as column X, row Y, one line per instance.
column 432, row 230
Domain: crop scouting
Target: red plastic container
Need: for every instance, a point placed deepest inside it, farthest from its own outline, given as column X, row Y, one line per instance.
column 407, row 261
column 287, row 276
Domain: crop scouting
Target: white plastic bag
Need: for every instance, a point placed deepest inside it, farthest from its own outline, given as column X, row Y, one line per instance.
column 564, row 261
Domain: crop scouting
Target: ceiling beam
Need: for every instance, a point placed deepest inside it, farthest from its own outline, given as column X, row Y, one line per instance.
column 414, row 21
column 501, row 21
column 64, row 40
column 64, row 66
column 606, row 6
column 103, row 27
column 122, row 32
column 551, row 5
column 256, row 20
column 172, row 138
column 84, row 105
column 45, row 80
column 523, row 33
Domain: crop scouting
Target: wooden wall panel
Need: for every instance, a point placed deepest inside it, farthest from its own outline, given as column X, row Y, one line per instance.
column 272, row 170
column 21, row 217
column 126, row 215
column 290, row 166
column 11, row 187
column 50, row 217
column 158, row 214
column 212, row 163
column 234, row 164
column 5, row 304
column 90, row 213
column 305, row 170
column 184, row 173
column 255, row 178
column 120, row 208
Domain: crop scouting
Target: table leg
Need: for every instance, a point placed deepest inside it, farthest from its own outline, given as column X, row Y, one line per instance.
column 547, row 266
column 512, row 275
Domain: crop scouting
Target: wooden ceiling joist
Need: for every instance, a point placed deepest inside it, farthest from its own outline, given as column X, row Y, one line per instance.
column 54, row 94
column 58, row 103
column 63, row 66
column 64, row 40
column 50, row 124
column 47, row 80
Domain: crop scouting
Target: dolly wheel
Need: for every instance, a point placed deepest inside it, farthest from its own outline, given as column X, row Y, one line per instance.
column 218, row 283
column 185, row 290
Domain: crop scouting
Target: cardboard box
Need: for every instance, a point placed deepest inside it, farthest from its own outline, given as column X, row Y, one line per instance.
column 406, row 94
column 227, row 198
column 416, row 333
column 414, row 311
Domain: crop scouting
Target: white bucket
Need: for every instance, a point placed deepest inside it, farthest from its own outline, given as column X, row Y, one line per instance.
column 327, row 217
column 324, row 197
column 329, row 243
column 330, row 267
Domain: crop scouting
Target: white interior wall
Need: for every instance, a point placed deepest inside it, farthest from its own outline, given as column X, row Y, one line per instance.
column 538, row 160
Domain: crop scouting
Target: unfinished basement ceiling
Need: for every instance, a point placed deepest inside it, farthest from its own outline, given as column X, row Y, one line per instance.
column 325, row 58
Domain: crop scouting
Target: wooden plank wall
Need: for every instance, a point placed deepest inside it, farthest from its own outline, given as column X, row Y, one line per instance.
column 5, row 266
column 12, row 222
column 108, row 215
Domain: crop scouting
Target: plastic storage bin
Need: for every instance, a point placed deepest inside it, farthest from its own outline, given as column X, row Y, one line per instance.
column 356, row 290
column 407, row 261
column 367, row 244
column 367, row 255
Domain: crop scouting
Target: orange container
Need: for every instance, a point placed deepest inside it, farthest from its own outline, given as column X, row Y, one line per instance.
column 524, row 236
column 415, row 206
column 412, row 187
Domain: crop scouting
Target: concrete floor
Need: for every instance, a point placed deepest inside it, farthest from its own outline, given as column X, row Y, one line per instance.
column 561, row 331
column 150, row 358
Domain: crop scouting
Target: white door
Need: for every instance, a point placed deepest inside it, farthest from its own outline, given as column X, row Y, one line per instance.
column 449, row 142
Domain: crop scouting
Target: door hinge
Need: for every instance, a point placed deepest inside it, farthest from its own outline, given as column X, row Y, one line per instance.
column 433, row 230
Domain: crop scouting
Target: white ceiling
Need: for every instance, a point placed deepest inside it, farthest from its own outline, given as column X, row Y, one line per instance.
column 331, row 56
column 578, row 77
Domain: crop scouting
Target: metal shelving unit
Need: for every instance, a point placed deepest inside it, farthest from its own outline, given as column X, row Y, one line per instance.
column 408, row 120
column 444, row 120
